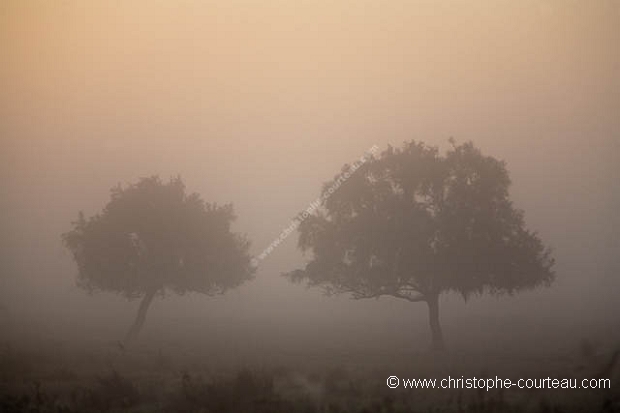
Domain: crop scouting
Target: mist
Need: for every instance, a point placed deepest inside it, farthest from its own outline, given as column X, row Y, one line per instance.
column 258, row 104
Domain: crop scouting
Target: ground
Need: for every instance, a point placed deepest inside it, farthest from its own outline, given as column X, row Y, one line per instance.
column 237, row 368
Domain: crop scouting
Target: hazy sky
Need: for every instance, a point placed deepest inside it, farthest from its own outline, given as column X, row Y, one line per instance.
column 259, row 102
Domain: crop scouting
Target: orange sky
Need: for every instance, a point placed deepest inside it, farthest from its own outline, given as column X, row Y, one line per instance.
column 260, row 102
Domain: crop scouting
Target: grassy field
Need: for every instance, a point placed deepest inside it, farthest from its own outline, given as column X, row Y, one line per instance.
column 321, row 368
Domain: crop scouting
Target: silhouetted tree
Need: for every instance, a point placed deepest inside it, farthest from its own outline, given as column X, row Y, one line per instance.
column 152, row 237
column 413, row 223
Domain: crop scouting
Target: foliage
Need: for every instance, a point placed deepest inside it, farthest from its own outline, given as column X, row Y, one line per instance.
column 412, row 223
column 153, row 236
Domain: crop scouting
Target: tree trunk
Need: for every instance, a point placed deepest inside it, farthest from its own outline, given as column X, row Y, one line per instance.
column 141, row 316
column 433, row 320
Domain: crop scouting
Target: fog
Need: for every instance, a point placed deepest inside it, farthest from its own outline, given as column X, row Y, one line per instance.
column 259, row 104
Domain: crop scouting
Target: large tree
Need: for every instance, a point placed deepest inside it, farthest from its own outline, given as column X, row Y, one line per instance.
column 152, row 237
column 414, row 223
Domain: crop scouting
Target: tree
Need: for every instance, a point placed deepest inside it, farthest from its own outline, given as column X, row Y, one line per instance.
column 152, row 237
column 413, row 223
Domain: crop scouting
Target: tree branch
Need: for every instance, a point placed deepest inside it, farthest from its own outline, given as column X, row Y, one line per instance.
column 412, row 298
column 397, row 294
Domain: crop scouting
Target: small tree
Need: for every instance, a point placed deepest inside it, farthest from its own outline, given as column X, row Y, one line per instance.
column 152, row 237
column 413, row 223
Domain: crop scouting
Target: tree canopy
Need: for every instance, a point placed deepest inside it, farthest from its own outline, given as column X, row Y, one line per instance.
column 152, row 237
column 413, row 223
